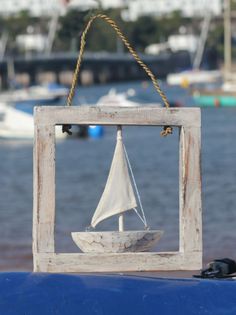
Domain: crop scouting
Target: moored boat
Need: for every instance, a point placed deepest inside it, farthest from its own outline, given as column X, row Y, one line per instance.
column 215, row 98
column 225, row 95
column 39, row 94
column 16, row 124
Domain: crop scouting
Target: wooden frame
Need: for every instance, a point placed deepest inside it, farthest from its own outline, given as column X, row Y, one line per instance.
column 189, row 256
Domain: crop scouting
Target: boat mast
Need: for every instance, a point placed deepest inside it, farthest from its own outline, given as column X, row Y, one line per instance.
column 121, row 216
column 52, row 32
column 3, row 46
column 202, row 41
column 227, row 39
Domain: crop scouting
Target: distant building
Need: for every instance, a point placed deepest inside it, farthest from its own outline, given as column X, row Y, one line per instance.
column 186, row 42
column 132, row 9
column 179, row 42
column 34, row 7
column 81, row 5
column 188, row 8
column 31, row 42
column 113, row 3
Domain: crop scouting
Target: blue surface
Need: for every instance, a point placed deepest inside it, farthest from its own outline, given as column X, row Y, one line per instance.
column 32, row 294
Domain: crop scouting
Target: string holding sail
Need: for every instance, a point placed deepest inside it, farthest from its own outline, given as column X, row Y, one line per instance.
column 118, row 195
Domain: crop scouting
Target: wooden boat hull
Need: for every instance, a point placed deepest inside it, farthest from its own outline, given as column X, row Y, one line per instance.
column 115, row 241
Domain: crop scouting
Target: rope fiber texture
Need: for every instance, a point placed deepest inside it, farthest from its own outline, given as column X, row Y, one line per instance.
column 131, row 50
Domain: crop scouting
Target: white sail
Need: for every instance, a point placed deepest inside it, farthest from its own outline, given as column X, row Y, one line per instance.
column 118, row 195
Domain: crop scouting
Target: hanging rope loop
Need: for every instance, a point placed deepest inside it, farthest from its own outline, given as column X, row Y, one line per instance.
column 130, row 49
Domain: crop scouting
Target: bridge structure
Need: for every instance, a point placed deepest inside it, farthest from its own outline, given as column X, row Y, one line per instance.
column 99, row 67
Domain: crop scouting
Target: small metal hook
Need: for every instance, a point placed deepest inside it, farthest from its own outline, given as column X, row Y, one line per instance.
column 66, row 128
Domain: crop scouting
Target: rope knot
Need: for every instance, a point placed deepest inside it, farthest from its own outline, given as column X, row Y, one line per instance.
column 167, row 130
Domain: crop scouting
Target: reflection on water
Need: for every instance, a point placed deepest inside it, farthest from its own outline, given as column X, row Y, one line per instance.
column 82, row 167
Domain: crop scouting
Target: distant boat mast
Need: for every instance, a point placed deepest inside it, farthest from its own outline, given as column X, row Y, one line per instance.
column 202, row 41
column 227, row 40
column 52, row 32
column 3, row 46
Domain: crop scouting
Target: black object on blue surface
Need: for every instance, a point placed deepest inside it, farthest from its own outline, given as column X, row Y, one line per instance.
column 219, row 268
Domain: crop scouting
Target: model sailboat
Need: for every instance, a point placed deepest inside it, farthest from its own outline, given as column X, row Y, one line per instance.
column 118, row 198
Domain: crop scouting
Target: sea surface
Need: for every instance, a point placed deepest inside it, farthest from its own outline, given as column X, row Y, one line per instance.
column 82, row 167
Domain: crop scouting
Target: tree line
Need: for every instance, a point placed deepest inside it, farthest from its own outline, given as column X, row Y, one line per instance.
column 144, row 31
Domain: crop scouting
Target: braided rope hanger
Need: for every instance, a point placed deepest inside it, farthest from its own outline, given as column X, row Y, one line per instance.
column 167, row 129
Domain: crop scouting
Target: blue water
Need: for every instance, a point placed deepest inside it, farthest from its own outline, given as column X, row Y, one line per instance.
column 82, row 167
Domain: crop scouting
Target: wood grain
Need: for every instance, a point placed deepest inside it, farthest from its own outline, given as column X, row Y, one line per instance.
column 122, row 262
column 104, row 115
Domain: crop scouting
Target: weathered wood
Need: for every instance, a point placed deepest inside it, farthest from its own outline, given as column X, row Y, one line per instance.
column 190, row 229
column 44, row 189
column 104, row 115
column 121, row 262
column 189, row 256
column 116, row 241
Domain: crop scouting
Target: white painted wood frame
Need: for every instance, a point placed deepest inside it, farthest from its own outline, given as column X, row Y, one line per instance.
column 189, row 256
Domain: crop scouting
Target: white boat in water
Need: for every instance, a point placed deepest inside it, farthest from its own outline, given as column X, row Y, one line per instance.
column 121, row 99
column 194, row 76
column 38, row 94
column 118, row 198
column 117, row 99
column 16, row 124
column 16, row 109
